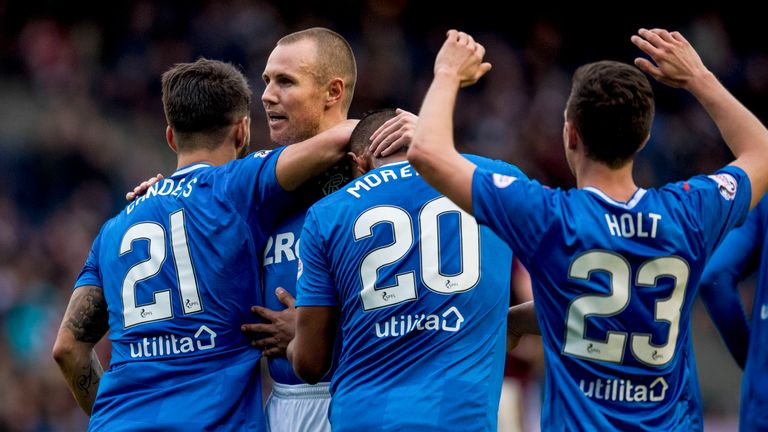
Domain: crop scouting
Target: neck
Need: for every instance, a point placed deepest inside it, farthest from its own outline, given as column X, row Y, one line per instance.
column 222, row 155
column 330, row 120
column 616, row 183
column 397, row 157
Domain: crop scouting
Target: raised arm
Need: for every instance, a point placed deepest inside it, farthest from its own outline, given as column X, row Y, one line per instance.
column 432, row 152
column 85, row 322
column 678, row 65
column 304, row 160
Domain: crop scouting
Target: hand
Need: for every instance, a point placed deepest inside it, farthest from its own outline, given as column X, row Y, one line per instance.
column 394, row 134
column 461, row 56
column 142, row 188
column 279, row 327
column 677, row 63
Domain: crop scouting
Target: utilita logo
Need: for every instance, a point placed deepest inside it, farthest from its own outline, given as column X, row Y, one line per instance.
column 621, row 390
column 449, row 321
column 164, row 345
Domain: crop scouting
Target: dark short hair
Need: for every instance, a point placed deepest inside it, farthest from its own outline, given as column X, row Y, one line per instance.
column 372, row 120
column 334, row 58
column 611, row 106
column 202, row 99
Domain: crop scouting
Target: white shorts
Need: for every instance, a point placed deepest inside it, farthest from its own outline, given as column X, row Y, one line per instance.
column 298, row 408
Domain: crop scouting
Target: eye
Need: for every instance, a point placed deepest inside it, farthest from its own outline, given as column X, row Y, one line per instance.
column 284, row 81
column 265, row 79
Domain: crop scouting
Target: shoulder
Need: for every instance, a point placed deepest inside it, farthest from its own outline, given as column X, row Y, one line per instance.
column 495, row 165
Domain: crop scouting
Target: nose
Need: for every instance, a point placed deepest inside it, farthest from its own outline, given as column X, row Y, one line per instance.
column 269, row 97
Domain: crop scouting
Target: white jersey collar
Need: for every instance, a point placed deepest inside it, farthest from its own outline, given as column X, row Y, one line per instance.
column 189, row 169
column 636, row 197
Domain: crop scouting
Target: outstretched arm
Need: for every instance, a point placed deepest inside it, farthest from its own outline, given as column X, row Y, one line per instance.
column 433, row 153
column 85, row 322
column 304, row 160
column 678, row 65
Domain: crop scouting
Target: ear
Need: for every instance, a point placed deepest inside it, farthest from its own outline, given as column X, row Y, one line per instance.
column 359, row 164
column 335, row 92
column 242, row 133
column 171, row 139
column 570, row 135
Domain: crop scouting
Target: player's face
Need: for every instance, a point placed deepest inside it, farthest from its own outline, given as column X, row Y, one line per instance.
column 293, row 99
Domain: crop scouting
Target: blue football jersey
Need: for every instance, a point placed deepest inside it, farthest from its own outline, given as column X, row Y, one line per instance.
column 422, row 292
column 614, row 284
column 179, row 268
column 281, row 256
column 744, row 250
column 281, row 262
column 754, row 384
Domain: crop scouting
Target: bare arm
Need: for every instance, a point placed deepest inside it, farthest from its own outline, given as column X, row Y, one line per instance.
column 521, row 320
column 433, row 153
column 311, row 351
column 85, row 322
column 304, row 160
column 678, row 65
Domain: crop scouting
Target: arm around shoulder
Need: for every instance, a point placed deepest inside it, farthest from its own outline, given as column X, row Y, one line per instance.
column 306, row 159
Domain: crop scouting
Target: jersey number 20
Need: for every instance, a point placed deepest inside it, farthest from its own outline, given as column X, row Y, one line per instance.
column 402, row 229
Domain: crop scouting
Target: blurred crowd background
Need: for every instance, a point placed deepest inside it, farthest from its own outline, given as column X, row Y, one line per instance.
column 81, row 122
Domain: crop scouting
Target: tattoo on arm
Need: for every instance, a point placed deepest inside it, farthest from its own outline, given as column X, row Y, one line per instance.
column 88, row 381
column 87, row 315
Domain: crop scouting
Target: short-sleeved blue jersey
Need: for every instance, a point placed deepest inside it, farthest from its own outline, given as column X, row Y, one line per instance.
column 179, row 268
column 742, row 251
column 614, row 284
column 422, row 292
column 281, row 256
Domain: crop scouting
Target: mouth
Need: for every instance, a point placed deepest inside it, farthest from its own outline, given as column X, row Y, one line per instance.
column 275, row 119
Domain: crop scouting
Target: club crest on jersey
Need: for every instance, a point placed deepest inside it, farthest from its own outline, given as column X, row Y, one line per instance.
column 261, row 153
column 726, row 184
column 300, row 269
column 501, row 181
column 333, row 184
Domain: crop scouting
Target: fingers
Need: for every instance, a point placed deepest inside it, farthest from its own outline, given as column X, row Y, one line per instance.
column 285, row 297
column 264, row 343
column 678, row 37
column 394, row 134
column 382, row 132
column 263, row 312
column 648, row 67
column 395, row 146
column 275, row 351
column 645, row 46
column 254, row 330
column 142, row 188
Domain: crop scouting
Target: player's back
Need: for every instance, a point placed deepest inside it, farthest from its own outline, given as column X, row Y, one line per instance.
column 179, row 269
column 614, row 285
column 423, row 293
